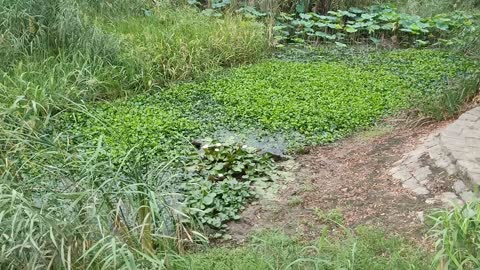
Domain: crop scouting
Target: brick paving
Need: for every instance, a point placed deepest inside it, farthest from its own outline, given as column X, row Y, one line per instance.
column 445, row 167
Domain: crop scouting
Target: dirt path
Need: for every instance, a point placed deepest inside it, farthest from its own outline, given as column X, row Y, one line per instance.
column 351, row 177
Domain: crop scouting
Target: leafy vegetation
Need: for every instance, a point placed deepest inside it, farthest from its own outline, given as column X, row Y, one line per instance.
column 222, row 180
column 377, row 24
column 277, row 96
column 90, row 181
column 431, row 96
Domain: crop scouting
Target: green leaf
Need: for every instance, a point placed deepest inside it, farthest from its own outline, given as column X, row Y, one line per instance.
column 350, row 29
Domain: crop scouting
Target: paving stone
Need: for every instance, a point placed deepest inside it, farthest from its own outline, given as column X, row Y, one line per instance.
column 468, row 196
column 414, row 186
column 459, row 186
column 402, row 175
column 424, row 182
column 421, row 190
column 395, row 169
column 449, row 198
column 422, row 173
column 454, row 149
column 475, row 177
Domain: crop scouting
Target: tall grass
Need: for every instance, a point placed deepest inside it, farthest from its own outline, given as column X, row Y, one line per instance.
column 360, row 249
column 433, row 7
column 88, row 50
column 451, row 101
column 178, row 43
column 61, row 208
column 457, row 235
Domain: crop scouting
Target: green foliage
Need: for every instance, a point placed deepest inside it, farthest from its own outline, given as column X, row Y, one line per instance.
column 62, row 206
column 362, row 249
column 440, row 81
column 334, row 216
column 353, row 91
column 152, row 130
column 52, row 52
column 221, row 180
column 375, row 24
column 179, row 43
column 457, row 234
column 290, row 97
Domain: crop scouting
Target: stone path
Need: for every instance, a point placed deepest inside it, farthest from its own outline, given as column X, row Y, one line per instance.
column 445, row 167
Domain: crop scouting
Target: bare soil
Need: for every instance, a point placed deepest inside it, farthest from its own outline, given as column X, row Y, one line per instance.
column 350, row 177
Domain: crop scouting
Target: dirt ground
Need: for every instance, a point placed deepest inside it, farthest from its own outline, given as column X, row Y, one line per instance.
column 347, row 182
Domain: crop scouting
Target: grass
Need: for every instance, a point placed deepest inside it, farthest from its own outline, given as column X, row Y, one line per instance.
column 189, row 44
column 91, row 185
column 53, row 51
column 67, row 209
column 363, row 249
column 457, row 237
column 432, row 7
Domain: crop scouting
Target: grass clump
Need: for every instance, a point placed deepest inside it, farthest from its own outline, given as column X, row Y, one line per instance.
column 365, row 249
column 457, row 237
column 175, row 44
column 64, row 207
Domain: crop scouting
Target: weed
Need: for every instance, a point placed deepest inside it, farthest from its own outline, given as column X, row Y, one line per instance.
column 362, row 249
column 334, row 216
column 221, row 180
column 295, row 201
column 457, row 237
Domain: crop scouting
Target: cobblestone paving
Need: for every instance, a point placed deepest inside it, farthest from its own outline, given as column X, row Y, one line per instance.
column 445, row 167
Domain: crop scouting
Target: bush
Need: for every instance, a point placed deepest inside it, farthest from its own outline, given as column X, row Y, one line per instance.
column 63, row 207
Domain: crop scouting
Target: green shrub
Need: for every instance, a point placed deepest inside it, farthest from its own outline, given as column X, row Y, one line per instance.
column 222, row 179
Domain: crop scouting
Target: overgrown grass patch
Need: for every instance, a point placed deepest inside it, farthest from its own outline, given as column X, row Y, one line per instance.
column 55, row 51
column 363, row 249
column 440, row 81
column 178, row 43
